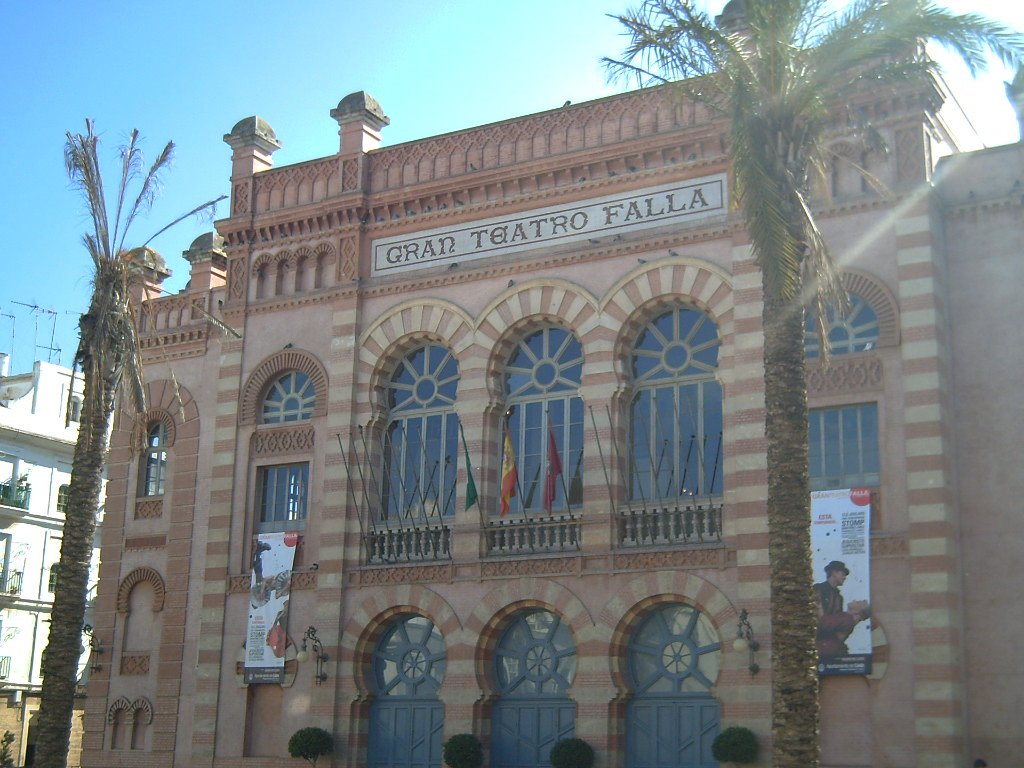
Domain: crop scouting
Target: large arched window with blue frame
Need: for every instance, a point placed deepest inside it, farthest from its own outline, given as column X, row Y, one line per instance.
column 535, row 663
column 406, row 716
column 676, row 413
column 542, row 380
column 421, row 440
column 674, row 660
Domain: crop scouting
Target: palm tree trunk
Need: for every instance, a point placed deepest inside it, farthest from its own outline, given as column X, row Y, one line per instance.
column 65, row 642
column 794, row 656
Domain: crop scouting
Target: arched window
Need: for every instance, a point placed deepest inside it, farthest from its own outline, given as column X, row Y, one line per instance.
column 534, row 664
column 406, row 717
column 154, row 461
column 292, row 397
column 853, row 331
column 542, row 379
column 63, row 495
column 674, row 660
column 421, row 446
column 676, row 418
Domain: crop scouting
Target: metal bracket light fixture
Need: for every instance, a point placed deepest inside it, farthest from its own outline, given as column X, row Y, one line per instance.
column 308, row 639
column 95, row 647
column 745, row 642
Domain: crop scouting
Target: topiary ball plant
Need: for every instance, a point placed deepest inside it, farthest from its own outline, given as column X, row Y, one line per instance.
column 572, row 753
column 735, row 744
column 463, row 750
column 311, row 744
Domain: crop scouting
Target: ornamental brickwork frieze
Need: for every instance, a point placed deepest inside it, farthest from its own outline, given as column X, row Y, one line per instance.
column 269, row 442
column 135, row 664
column 559, row 566
column 708, row 557
column 240, row 198
column 404, row 575
column 844, row 376
column 238, row 278
column 149, row 509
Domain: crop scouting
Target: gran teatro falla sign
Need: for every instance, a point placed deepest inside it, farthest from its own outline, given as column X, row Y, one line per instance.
column 683, row 203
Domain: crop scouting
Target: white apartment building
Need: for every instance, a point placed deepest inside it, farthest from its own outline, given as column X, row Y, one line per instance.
column 38, row 427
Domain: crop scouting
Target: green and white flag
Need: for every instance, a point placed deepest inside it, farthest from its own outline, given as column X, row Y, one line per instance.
column 471, row 494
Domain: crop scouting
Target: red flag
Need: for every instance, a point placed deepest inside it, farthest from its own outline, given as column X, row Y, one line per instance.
column 554, row 470
column 509, row 474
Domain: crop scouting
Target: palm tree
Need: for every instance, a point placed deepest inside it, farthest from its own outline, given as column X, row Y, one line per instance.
column 780, row 70
column 108, row 353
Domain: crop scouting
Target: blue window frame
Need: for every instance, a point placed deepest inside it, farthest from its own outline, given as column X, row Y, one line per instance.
column 843, row 445
column 854, row 331
column 154, row 461
column 292, row 397
column 676, row 414
column 542, row 379
column 421, row 449
column 283, row 497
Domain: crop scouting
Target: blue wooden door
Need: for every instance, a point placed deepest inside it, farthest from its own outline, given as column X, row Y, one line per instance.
column 535, row 663
column 672, row 719
column 406, row 719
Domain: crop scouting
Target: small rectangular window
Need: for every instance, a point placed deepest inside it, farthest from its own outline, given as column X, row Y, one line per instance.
column 54, row 575
column 283, row 492
column 843, row 445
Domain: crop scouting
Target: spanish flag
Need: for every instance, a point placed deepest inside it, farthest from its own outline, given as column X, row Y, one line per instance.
column 509, row 474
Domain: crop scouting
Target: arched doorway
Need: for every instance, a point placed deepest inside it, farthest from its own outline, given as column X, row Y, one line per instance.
column 406, row 717
column 674, row 658
column 535, row 663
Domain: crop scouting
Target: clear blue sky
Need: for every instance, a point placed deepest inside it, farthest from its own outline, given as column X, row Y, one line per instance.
column 188, row 71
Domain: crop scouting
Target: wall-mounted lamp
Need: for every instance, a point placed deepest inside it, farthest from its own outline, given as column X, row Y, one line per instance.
column 310, row 638
column 745, row 642
column 95, row 646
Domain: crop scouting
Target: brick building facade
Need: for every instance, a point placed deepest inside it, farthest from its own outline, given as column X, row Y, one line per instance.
column 573, row 283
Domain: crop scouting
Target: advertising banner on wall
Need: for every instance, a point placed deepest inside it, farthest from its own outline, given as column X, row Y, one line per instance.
column 840, row 531
column 267, row 634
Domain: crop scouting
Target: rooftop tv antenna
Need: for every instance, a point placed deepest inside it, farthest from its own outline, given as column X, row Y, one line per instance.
column 51, row 350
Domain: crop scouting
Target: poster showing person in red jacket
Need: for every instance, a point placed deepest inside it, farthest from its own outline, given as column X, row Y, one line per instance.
column 840, row 530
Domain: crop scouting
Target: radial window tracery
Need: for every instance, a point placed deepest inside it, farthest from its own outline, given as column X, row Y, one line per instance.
column 410, row 659
column 292, row 397
column 536, row 656
column 853, row 331
column 675, row 650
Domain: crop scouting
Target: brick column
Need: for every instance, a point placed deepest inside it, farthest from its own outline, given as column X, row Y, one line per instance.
column 935, row 581
column 746, row 699
column 210, row 660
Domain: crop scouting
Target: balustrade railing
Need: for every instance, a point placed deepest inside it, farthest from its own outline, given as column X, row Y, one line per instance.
column 10, row 582
column 560, row 533
column 15, row 495
column 410, row 543
column 666, row 525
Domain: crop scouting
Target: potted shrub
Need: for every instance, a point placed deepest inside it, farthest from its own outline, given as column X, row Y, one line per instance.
column 463, row 750
column 735, row 744
column 572, row 753
column 311, row 744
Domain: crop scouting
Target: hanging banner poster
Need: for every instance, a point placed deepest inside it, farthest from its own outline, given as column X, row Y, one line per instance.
column 840, row 531
column 267, row 635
